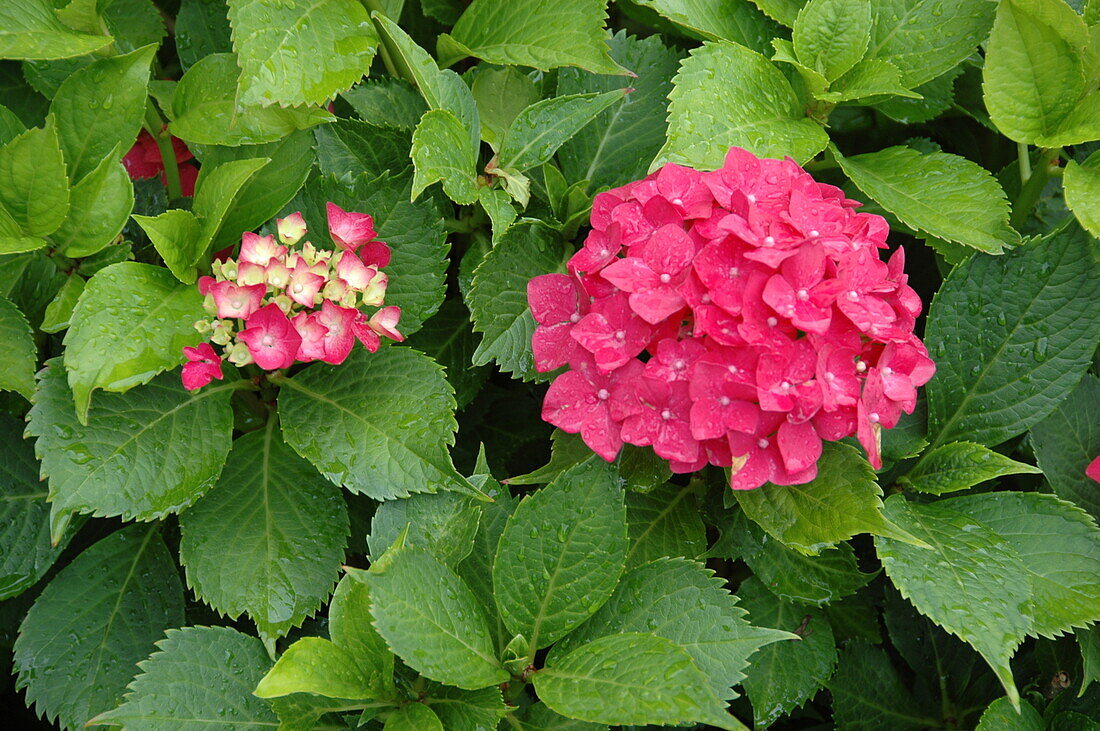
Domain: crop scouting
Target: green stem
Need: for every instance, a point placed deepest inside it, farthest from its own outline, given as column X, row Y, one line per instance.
column 1025, row 162
column 1033, row 188
column 154, row 125
column 385, row 50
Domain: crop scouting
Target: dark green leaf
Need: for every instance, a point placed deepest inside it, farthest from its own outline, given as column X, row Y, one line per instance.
column 34, row 190
column 448, row 338
column 731, row 20
column 1067, row 440
column 202, row 28
column 926, row 39
column 869, row 694
column 1002, row 716
column 350, row 148
column 443, row 524
column 539, row 130
column 388, row 102
column 19, row 357
column 664, row 522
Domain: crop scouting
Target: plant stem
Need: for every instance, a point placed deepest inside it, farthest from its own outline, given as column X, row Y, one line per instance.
column 387, row 52
column 1033, row 187
column 1025, row 162
column 154, row 125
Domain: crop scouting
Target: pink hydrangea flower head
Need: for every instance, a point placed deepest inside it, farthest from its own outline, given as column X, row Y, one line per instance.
column 304, row 285
column 236, row 301
column 313, row 335
column 271, row 338
column 354, row 272
column 339, row 337
column 348, row 229
column 260, row 249
column 291, row 229
column 203, row 365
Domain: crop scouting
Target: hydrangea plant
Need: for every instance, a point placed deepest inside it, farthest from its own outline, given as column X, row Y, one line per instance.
column 511, row 364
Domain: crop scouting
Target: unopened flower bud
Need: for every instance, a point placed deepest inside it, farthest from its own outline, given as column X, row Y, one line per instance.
column 277, row 275
column 374, row 294
column 249, row 274
column 203, row 326
column 222, row 332
column 239, row 355
column 284, row 302
column 334, row 290
column 291, row 229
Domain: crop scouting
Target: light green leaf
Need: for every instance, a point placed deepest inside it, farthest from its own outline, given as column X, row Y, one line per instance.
column 532, row 33
column 539, row 130
column 216, row 194
column 730, row 20
column 477, row 710
column 287, row 525
column 205, row 110
column 432, row 620
column 199, row 677
column 202, row 28
column 621, row 141
column 868, row 693
column 941, row 194
column 726, row 95
column 840, row 502
column 388, row 102
column 501, row 94
column 25, row 550
column 924, row 39
column 380, row 424
column 1011, row 336
column 631, row 678
column 784, row 11
column 413, row 717
column 872, row 77
column 34, row 190
column 936, row 97
column 100, row 205
column 146, row 453
column 131, row 323
column 1001, row 715
column 498, row 297
column 561, row 554
column 1082, row 189
column 11, row 126
column 177, row 237
column 350, row 148
column 96, row 619
column 969, row 566
column 784, row 675
column 100, row 108
column 444, row 524
column 315, row 665
column 664, row 522
column 300, row 51
column 1067, row 440
column 959, row 465
column 1033, row 75
column 30, row 29
column 684, row 602
column 831, row 36
column 440, row 153
column 19, row 357
column 498, row 204
column 351, row 627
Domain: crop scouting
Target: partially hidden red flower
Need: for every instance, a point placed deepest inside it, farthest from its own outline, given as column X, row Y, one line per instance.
column 143, row 161
column 739, row 317
column 1093, row 470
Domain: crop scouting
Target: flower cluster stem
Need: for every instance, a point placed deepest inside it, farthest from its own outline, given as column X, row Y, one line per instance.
column 154, row 125
column 1032, row 188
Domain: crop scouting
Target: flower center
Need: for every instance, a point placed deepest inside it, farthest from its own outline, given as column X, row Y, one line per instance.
column 887, row 371
column 769, row 241
column 725, row 400
column 853, row 295
column 861, row 366
column 677, row 201
column 873, row 417
column 574, row 317
column 666, row 414
column 678, row 364
column 802, row 295
column 772, row 322
column 620, row 334
column 665, row 278
column 814, row 233
column 829, row 376
column 734, row 271
column 762, row 443
column 267, row 341
column 603, row 394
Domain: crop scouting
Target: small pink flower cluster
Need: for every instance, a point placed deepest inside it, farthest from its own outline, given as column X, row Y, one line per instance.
column 737, row 317
column 295, row 305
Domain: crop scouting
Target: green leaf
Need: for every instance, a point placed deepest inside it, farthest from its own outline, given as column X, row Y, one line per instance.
column 872, row 77
column 199, row 677
column 444, row 524
column 1082, row 190
column 959, row 465
column 30, row 29
column 498, row 204
column 1089, row 642
column 146, row 453
column 25, row 550
column 96, row 619
column 131, row 323
column 31, row 281
column 498, row 297
column 1067, row 440
column 869, row 694
column 432, row 620
column 388, row 102
column 205, row 111
column 684, row 602
column 413, row 717
column 1059, row 545
column 34, row 190
column 177, row 237
column 539, row 717
column 726, row 95
column 631, row 678
column 925, row 39
column 101, row 107
column 784, row 675
column 99, row 206
column 287, row 525
column 449, row 339
column 1011, row 337
column 539, row 130
column 1033, row 75
column 831, row 36
column 440, row 153
column 216, row 195
column 936, row 98
column 969, row 566
column 840, row 502
column 532, row 33
column 944, row 195
column 1001, row 715
column 351, row 628
column 11, row 126
column 379, row 425
column 784, row 11
column 730, row 20
column 300, row 51
column 202, row 28
column 664, row 522
column 350, row 148
column 477, row 710
column 315, row 665
column 19, row 357
column 561, row 554
column 501, row 94
column 621, row 141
